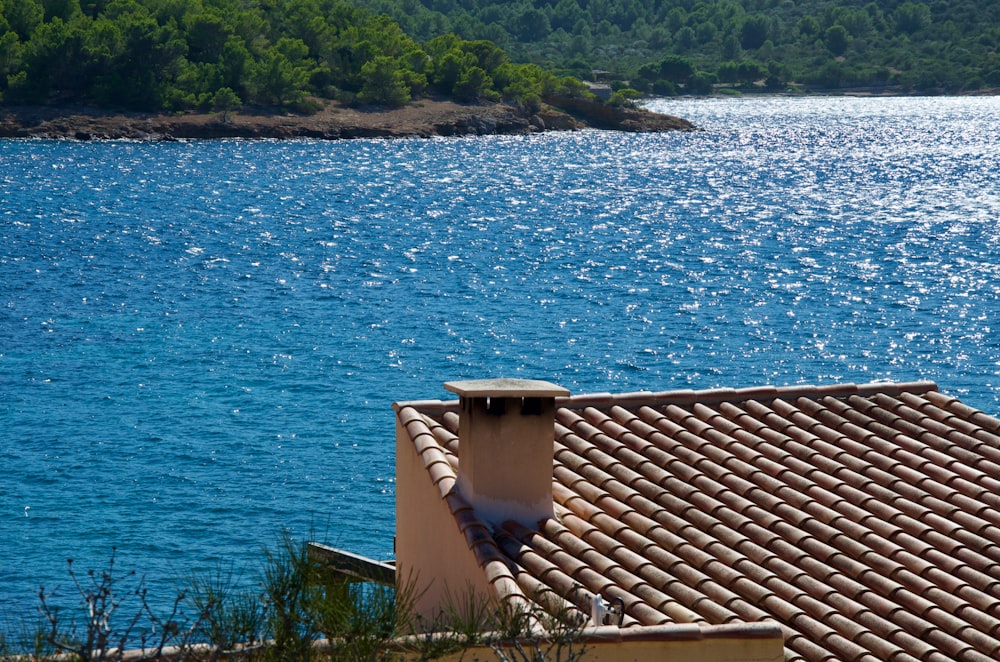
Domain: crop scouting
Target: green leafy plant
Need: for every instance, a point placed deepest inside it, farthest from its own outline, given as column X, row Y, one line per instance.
column 291, row 593
column 233, row 618
column 624, row 97
column 298, row 612
column 359, row 621
column 225, row 101
column 25, row 638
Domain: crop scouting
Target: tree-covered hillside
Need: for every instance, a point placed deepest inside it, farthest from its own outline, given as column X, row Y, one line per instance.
column 922, row 45
column 187, row 54
column 221, row 54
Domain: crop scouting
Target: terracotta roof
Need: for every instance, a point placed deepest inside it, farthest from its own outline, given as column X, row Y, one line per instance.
column 863, row 519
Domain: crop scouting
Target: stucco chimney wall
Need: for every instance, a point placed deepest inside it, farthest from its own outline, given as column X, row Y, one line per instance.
column 505, row 447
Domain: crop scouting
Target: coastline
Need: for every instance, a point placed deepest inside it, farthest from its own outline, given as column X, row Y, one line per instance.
column 423, row 118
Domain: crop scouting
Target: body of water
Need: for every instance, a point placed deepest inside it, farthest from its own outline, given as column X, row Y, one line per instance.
column 200, row 342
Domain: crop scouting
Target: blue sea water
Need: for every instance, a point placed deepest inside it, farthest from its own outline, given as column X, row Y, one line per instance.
column 200, row 342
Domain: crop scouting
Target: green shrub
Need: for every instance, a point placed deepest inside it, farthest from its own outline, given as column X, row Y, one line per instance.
column 298, row 612
column 624, row 97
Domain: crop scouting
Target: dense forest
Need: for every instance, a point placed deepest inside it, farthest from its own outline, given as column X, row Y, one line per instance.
column 689, row 45
column 222, row 54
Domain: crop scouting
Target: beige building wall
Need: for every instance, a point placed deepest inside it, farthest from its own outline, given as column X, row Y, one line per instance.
column 432, row 555
column 733, row 649
column 728, row 650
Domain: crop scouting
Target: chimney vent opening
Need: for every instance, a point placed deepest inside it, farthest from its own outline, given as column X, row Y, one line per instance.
column 496, row 406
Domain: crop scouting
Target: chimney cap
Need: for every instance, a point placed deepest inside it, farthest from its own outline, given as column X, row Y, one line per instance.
column 505, row 387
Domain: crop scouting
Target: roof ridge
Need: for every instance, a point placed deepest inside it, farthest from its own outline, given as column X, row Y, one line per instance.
column 710, row 396
column 713, row 396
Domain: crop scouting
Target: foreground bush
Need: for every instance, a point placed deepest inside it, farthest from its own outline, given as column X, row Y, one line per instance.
column 298, row 613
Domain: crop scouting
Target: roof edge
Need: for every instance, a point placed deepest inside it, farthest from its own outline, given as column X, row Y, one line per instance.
column 685, row 632
column 688, row 397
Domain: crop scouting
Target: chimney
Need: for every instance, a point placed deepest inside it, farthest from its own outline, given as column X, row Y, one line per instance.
column 505, row 440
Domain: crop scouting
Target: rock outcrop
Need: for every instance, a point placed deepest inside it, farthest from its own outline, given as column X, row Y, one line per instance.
column 422, row 118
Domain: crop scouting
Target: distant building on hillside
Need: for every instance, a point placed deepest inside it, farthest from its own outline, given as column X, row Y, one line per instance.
column 600, row 90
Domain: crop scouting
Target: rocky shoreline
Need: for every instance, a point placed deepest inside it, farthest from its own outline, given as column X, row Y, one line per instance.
column 422, row 118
